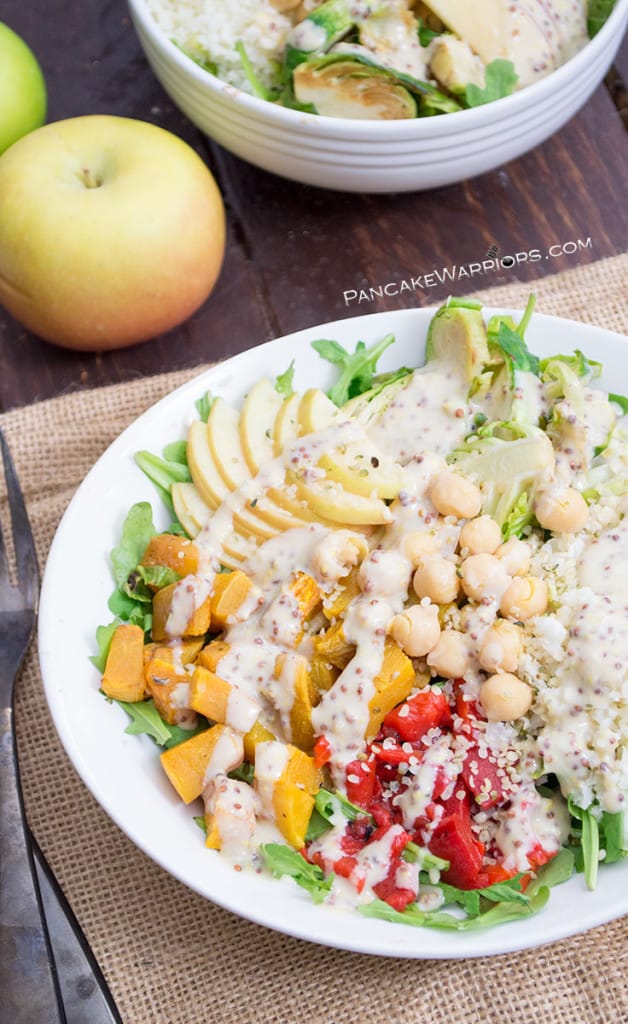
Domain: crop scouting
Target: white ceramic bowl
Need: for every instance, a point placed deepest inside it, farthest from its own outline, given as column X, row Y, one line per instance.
column 381, row 156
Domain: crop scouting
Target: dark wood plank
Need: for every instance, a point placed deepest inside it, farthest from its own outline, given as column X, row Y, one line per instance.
column 294, row 251
column 314, row 247
column 93, row 65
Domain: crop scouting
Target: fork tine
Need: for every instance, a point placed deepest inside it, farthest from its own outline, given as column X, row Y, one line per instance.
column 25, row 555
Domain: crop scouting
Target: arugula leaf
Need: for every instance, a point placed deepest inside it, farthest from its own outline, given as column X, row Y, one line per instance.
column 177, row 451
column 500, row 79
column 426, row 34
column 257, row 87
column 137, row 530
column 245, row 773
column 200, row 57
column 327, row 804
column 104, row 636
column 427, row 861
column 317, row 826
column 199, row 819
column 283, row 382
column 499, row 913
column 577, row 362
column 204, row 405
column 357, row 368
column 159, row 576
column 555, row 871
column 163, row 474
column 621, row 401
column 146, row 720
column 516, row 351
column 281, row 860
column 612, row 837
column 598, row 13
column 589, row 837
column 129, row 610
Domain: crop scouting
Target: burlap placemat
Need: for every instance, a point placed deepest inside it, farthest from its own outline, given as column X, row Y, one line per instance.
column 170, row 956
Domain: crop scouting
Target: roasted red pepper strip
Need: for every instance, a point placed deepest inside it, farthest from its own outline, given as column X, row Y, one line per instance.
column 484, row 779
column 322, row 752
column 453, row 840
column 416, row 716
column 360, row 792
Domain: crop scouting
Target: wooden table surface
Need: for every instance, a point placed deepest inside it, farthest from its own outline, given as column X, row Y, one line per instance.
column 294, row 251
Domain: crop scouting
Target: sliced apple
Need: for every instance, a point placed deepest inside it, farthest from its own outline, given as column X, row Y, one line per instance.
column 224, row 443
column 194, row 516
column 315, row 412
column 362, row 469
column 207, row 480
column 278, row 516
column 251, row 525
column 331, row 501
column 257, row 421
column 192, row 512
column 286, row 425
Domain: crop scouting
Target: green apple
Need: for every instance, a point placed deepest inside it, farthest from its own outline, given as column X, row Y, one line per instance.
column 111, row 231
column 22, row 89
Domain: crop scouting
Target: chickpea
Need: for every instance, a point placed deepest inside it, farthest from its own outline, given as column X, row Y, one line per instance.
column 500, row 647
column 515, row 554
column 416, row 630
column 384, row 573
column 455, row 495
column 526, row 597
column 483, row 576
column 436, row 578
column 562, row 510
column 336, row 553
column 505, row 697
column 480, row 536
column 450, row 657
column 417, row 544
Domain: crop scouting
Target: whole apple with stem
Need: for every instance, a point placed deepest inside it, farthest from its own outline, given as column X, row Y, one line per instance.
column 111, row 231
column 22, row 89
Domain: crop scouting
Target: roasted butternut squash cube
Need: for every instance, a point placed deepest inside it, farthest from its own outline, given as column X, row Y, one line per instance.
column 393, row 683
column 197, row 625
column 293, row 809
column 323, row 675
column 123, row 678
column 332, row 646
column 257, row 734
column 209, row 694
column 176, row 553
column 210, row 656
column 186, row 764
column 169, row 687
column 293, row 670
column 230, row 591
column 182, row 652
column 342, row 595
column 307, row 593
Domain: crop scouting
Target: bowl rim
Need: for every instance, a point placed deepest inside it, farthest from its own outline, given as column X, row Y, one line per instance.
column 405, row 128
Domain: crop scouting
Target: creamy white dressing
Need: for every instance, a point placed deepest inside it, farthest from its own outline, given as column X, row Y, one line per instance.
column 271, row 759
column 584, row 739
column 430, row 414
column 227, row 754
column 232, row 805
column 242, row 711
column 421, row 778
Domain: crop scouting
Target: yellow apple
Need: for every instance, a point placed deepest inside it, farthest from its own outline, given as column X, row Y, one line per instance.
column 22, row 89
column 111, row 231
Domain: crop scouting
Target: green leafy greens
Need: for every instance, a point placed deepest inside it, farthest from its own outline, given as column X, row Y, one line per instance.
column 500, row 79
column 282, row 860
column 357, row 369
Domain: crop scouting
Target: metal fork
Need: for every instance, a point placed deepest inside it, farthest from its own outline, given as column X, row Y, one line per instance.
column 30, row 993
column 48, row 974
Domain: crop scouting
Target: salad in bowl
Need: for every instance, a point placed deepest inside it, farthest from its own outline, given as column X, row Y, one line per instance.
column 388, row 60
column 383, row 643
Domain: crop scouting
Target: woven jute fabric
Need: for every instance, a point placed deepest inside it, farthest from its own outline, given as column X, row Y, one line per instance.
column 170, row 956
